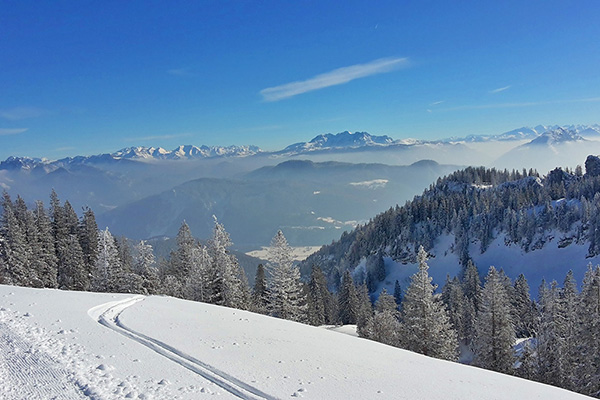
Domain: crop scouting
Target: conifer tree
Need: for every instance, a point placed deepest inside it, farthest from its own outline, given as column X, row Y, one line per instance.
column 125, row 256
column 495, row 330
column 472, row 284
column 384, row 326
column 567, row 329
column 196, row 283
column 182, row 257
column 88, row 239
column 287, row 298
column 71, row 274
column 144, row 266
column 456, row 304
column 347, row 299
column 47, row 271
column 547, row 338
column 425, row 322
column 70, row 219
column 227, row 285
column 15, row 250
column 364, row 319
column 322, row 307
column 588, row 368
column 524, row 308
column 108, row 273
column 260, row 293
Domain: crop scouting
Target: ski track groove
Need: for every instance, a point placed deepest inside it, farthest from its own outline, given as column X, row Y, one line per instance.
column 23, row 364
column 108, row 315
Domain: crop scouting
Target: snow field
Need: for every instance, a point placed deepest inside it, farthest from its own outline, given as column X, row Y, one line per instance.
column 47, row 350
column 105, row 346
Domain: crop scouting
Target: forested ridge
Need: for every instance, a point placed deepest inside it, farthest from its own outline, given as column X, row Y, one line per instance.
column 475, row 205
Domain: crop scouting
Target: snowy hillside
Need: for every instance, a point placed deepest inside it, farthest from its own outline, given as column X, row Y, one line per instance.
column 73, row 345
column 541, row 226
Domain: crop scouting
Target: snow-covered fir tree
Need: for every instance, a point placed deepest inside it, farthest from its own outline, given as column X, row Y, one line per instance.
column 182, row 257
column 365, row 312
column 347, row 300
column 260, row 292
column 425, row 323
column 458, row 309
column 108, row 274
column 322, row 307
column 14, row 249
column 227, row 282
column 384, row 326
column 71, row 272
column 144, row 265
column 46, row 251
column 588, row 369
column 88, row 239
column 287, row 297
column 566, row 327
column 524, row 308
column 495, row 332
column 548, row 340
column 196, row 284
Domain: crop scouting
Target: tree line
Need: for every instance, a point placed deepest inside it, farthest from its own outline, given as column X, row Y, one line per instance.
column 57, row 249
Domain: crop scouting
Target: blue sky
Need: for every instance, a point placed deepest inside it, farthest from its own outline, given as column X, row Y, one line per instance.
column 83, row 77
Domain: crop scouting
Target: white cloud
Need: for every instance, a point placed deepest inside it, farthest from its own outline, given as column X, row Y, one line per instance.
column 435, row 103
column 374, row 184
column 17, row 113
column 502, row 89
column 5, row 132
column 336, row 77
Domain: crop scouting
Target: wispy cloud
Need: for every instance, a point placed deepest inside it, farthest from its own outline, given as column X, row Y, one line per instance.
column 157, row 137
column 502, row 89
column 180, row 72
column 435, row 103
column 18, row 113
column 523, row 104
column 16, row 131
column 336, row 77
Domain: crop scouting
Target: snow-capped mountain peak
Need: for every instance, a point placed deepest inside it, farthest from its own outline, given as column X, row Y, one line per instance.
column 556, row 136
column 340, row 140
column 184, row 152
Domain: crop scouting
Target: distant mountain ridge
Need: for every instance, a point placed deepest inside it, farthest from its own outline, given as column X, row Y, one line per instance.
column 343, row 141
column 185, row 152
column 528, row 133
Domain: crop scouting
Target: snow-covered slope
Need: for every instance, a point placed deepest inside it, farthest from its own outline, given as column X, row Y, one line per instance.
column 74, row 345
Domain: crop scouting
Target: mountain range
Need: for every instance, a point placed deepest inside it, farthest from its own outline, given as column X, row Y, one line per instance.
column 342, row 141
column 312, row 190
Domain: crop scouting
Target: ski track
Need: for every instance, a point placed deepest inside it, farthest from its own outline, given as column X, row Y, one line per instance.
column 108, row 315
column 37, row 363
